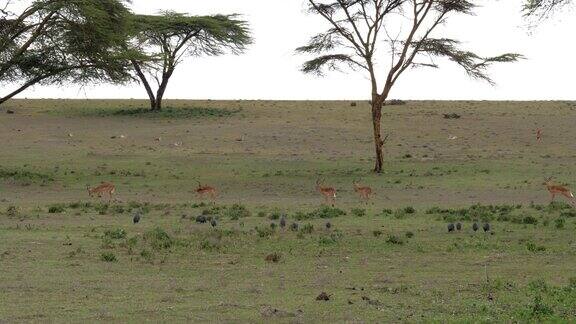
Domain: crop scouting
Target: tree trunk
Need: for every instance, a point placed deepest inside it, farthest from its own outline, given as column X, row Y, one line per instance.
column 378, row 141
column 154, row 105
column 162, row 89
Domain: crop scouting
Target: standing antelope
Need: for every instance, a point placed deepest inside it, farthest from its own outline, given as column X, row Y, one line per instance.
column 202, row 191
column 556, row 189
column 329, row 193
column 539, row 134
column 103, row 188
column 365, row 192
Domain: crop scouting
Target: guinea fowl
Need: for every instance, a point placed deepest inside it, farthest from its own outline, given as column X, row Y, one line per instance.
column 137, row 217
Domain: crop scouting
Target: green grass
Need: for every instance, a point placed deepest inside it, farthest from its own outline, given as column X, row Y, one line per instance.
column 68, row 258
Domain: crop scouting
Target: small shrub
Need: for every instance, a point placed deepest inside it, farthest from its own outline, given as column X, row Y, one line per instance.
column 328, row 212
column 532, row 247
column 409, row 234
column 531, row 220
column 307, row 229
column 377, row 233
column 539, row 309
column 264, row 232
column 452, row 116
column 560, row 223
column 12, row 211
column 211, row 244
column 108, row 257
column 158, row 239
column 56, row 209
column 393, row 239
column 118, row 209
column 146, row 255
column 409, row 210
column 236, row 212
column 115, row 234
column 395, row 102
column 275, row 216
column 273, row 258
column 358, row 212
column 387, row 212
column 261, row 214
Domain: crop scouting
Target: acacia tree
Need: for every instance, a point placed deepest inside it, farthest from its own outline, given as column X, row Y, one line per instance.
column 543, row 8
column 360, row 31
column 57, row 41
column 167, row 38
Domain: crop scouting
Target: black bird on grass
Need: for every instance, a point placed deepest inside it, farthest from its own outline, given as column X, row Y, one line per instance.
column 283, row 222
column 450, row 228
column 459, row 226
column 137, row 217
column 201, row 219
column 475, row 227
column 213, row 222
column 486, row 227
column 328, row 225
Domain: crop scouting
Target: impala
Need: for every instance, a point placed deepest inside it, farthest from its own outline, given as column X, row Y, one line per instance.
column 203, row 191
column 104, row 188
column 558, row 190
column 329, row 193
column 539, row 134
column 365, row 192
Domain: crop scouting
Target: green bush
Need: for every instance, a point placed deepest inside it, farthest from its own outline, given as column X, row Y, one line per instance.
column 56, row 209
column 237, row 211
column 264, row 232
column 560, row 222
column 12, row 211
column 531, row 220
column 108, row 257
column 393, row 239
column 158, row 239
column 115, row 234
column 358, row 212
column 307, row 229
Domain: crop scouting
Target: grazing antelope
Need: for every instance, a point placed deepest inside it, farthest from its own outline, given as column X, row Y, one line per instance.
column 103, row 188
column 329, row 193
column 202, row 191
column 365, row 192
column 556, row 189
column 539, row 134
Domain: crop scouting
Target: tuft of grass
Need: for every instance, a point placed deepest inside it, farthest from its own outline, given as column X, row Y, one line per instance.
column 395, row 240
column 358, row 212
column 108, row 257
column 57, row 209
column 159, row 239
column 236, row 212
column 115, row 234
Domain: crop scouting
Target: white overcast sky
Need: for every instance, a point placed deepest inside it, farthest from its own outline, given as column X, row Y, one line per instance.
column 270, row 70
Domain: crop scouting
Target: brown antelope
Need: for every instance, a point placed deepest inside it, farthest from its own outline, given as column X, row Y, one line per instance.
column 558, row 190
column 365, row 192
column 103, row 188
column 329, row 193
column 202, row 191
column 539, row 134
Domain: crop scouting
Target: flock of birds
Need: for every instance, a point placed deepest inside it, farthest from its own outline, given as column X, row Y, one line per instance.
column 475, row 227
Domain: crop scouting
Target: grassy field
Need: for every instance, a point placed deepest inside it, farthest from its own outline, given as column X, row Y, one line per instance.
column 65, row 257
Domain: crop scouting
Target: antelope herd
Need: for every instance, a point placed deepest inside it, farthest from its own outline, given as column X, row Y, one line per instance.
column 364, row 192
